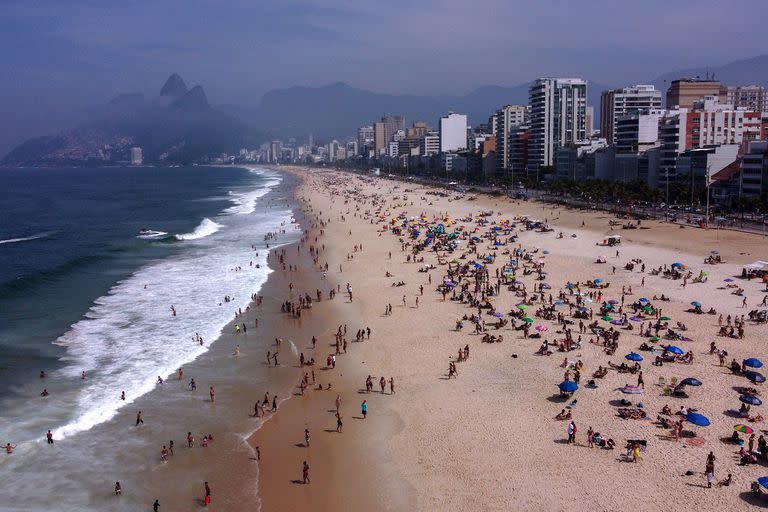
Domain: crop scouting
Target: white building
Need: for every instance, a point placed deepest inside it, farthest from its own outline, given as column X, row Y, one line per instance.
column 557, row 118
column 504, row 121
column 637, row 132
column 453, row 132
column 617, row 103
column 137, row 157
column 430, row 144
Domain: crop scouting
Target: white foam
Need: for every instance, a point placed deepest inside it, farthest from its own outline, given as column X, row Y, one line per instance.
column 129, row 336
column 245, row 202
column 206, row 228
column 24, row 239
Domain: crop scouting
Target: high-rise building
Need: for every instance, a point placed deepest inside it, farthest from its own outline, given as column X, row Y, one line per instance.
column 275, row 151
column 417, row 131
column 137, row 157
column 365, row 139
column 617, row 103
column 380, row 138
column 430, row 144
column 385, row 130
column 557, row 118
column 754, row 170
column 751, row 97
column 685, row 92
column 505, row 119
column 637, row 132
column 453, row 132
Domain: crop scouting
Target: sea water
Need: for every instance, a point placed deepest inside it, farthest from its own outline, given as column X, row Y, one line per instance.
column 93, row 264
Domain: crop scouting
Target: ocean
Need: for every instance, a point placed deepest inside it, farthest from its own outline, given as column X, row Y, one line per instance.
column 114, row 273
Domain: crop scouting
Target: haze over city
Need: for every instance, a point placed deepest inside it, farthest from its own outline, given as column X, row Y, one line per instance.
column 63, row 57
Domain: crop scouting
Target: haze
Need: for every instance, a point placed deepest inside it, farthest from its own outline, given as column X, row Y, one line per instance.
column 62, row 56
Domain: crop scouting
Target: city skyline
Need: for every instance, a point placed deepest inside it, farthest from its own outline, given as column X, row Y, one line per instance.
column 64, row 58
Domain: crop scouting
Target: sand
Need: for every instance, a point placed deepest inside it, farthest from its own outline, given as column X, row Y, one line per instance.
column 488, row 440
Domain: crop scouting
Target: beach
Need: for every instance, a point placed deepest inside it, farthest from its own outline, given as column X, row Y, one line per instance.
column 487, row 439
column 421, row 296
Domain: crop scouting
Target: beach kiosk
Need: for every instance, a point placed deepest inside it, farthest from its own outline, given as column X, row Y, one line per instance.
column 611, row 241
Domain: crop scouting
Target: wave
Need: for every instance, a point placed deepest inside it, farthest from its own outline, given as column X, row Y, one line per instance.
column 150, row 234
column 245, row 202
column 24, row 239
column 205, row 228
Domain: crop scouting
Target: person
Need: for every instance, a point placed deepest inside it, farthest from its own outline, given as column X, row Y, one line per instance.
column 710, row 475
column 590, row 435
column 338, row 403
column 364, row 408
column 156, row 506
column 726, row 481
column 49, row 437
column 212, row 394
column 571, row 432
column 635, row 452
column 139, row 419
column 306, row 437
column 9, row 448
column 118, row 489
column 305, row 472
column 207, row 494
column 339, row 424
column 391, row 385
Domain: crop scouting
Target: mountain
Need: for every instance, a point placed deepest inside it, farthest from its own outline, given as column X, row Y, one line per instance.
column 174, row 87
column 178, row 126
column 338, row 109
column 752, row 71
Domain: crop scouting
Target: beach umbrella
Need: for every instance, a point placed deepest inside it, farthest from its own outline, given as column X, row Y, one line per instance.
column 728, row 280
column 696, row 304
column 634, row 356
column 498, row 315
column 753, row 363
column 755, row 376
column 677, row 264
column 598, row 280
column 654, row 338
column 617, row 322
column 714, row 252
column 675, row 350
column 697, row 419
column 517, row 281
column 665, row 318
column 647, row 309
column 522, row 306
column 763, row 480
column 568, row 386
column 542, row 328
column 559, row 303
column 690, row 381
column 751, row 400
column 636, row 319
column 643, row 299
column 546, row 252
column 744, row 429
column 607, row 318
column 528, row 320
column 546, row 286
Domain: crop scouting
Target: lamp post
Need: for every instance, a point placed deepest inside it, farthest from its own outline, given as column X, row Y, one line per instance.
column 708, row 183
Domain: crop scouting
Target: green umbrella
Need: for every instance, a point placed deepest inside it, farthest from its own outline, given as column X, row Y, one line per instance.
column 528, row 320
column 665, row 318
column 522, row 306
column 654, row 338
column 607, row 318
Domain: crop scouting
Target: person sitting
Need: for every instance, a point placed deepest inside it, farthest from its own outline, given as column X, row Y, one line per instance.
column 563, row 415
column 736, row 439
column 666, row 410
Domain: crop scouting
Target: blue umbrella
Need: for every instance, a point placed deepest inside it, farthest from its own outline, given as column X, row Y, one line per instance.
column 755, row 376
column 763, row 480
column 751, row 400
column 677, row 264
column 643, row 299
column 633, row 356
column 568, row 386
column 696, row 304
column 675, row 350
column 598, row 280
column 753, row 362
column 690, row 381
column 697, row 419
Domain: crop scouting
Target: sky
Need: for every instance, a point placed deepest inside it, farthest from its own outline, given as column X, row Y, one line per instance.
column 60, row 56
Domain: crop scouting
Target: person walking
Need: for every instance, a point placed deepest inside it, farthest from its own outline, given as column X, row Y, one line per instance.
column 305, row 472
column 571, row 433
column 364, row 408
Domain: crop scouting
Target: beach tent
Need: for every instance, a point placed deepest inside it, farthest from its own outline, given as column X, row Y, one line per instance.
column 751, row 400
column 697, row 419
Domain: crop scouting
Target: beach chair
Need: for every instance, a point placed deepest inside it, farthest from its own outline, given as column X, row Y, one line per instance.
column 673, row 381
column 662, row 381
